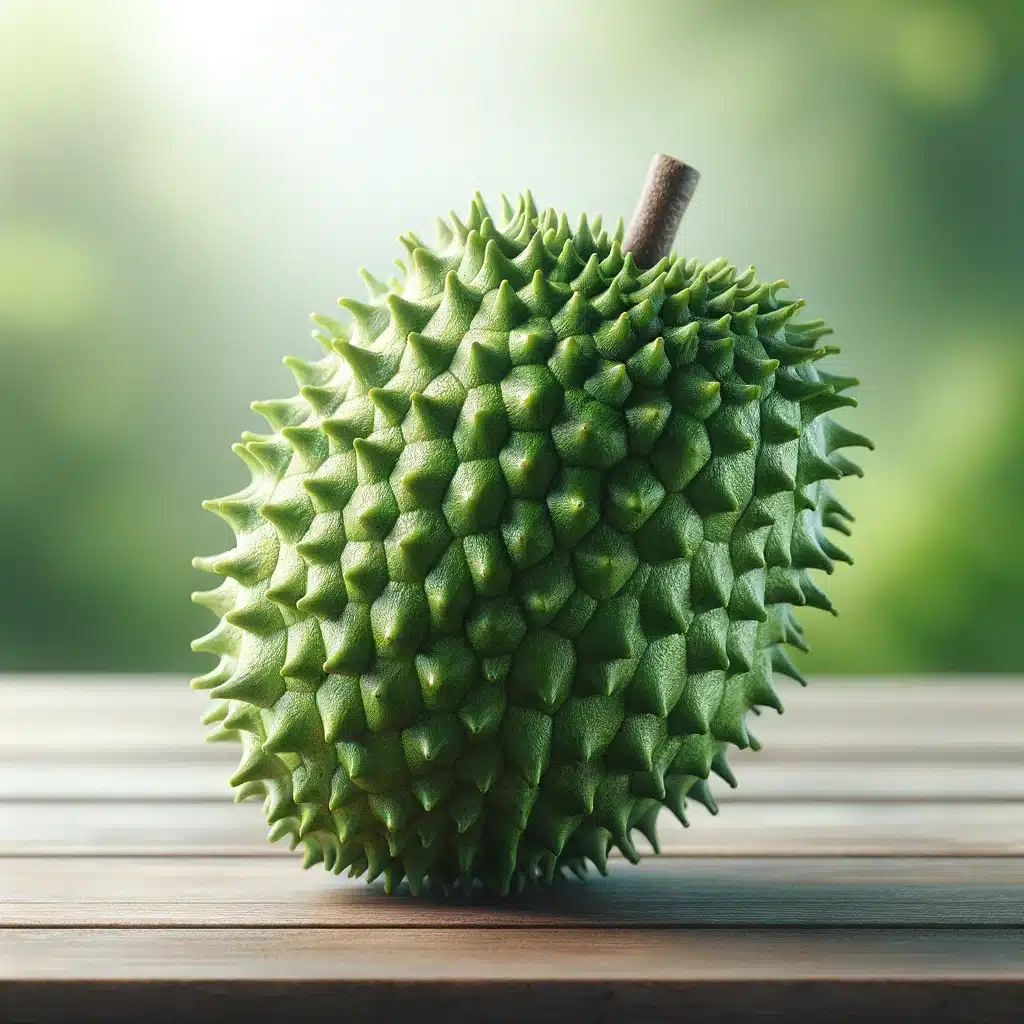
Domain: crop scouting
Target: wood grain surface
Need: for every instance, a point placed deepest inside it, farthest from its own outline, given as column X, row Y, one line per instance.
column 870, row 863
column 661, row 892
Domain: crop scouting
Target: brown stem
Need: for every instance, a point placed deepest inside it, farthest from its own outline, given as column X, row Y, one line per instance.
column 667, row 192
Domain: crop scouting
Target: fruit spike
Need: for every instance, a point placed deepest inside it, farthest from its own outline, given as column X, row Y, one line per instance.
column 521, row 556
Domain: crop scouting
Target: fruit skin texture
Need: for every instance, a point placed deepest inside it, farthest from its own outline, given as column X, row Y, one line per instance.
column 521, row 555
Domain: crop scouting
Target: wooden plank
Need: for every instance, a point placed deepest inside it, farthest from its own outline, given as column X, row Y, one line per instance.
column 758, row 830
column 659, row 892
column 960, row 716
column 99, row 712
column 854, row 769
column 759, row 780
column 488, row 954
column 939, row 1000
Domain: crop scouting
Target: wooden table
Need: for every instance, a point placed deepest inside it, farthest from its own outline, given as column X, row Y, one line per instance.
column 871, row 863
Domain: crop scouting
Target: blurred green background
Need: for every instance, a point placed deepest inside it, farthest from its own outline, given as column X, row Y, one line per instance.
column 183, row 181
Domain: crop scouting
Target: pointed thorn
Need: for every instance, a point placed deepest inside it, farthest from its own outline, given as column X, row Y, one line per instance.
column 392, row 403
column 370, row 368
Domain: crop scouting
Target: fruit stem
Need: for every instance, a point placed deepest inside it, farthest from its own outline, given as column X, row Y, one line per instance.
column 667, row 192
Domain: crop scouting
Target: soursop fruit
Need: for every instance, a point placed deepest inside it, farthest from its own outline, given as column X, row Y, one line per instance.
column 520, row 557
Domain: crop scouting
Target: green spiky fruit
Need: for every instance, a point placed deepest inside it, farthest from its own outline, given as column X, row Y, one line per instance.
column 520, row 557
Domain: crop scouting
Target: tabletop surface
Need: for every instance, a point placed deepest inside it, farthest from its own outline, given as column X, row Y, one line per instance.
column 871, row 860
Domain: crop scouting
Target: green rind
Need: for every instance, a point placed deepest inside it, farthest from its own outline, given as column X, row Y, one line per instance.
column 517, row 561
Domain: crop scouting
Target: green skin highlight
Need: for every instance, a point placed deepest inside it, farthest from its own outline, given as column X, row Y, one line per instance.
column 520, row 557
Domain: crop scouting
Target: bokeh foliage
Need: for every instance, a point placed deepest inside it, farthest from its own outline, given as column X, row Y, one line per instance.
column 180, row 186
